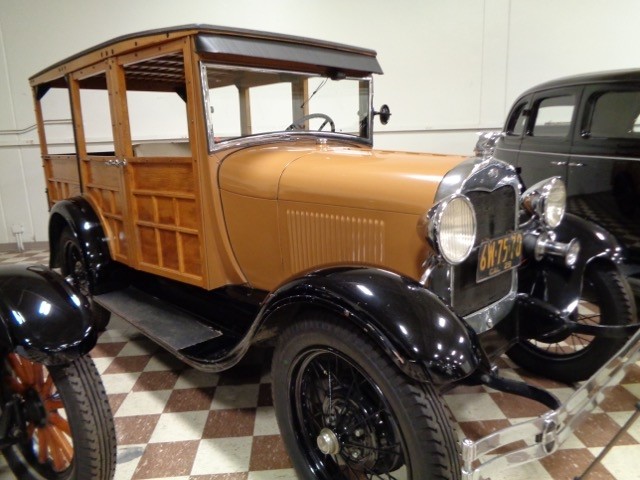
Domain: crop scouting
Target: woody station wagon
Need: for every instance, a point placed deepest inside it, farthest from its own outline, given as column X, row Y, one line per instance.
column 382, row 278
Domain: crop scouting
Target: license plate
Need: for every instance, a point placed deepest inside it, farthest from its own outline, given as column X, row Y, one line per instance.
column 498, row 255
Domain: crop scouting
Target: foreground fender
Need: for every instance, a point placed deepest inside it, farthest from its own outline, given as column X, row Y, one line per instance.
column 77, row 214
column 413, row 326
column 42, row 317
column 563, row 284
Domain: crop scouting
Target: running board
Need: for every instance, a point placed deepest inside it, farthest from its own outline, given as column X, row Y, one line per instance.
column 167, row 325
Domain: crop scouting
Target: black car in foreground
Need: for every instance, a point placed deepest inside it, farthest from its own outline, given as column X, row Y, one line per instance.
column 584, row 129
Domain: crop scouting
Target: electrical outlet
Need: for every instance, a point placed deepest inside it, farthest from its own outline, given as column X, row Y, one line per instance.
column 17, row 228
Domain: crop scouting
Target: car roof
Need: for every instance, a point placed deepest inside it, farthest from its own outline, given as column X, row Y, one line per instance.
column 612, row 76
column 322, row 56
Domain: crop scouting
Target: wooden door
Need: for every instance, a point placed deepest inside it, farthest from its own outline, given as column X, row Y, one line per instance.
column 100, row 152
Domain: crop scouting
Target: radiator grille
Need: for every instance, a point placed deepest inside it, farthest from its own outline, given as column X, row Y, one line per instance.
column 495, row 214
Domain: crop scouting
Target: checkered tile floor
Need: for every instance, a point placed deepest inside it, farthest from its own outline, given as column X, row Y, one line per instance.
column 174, row 422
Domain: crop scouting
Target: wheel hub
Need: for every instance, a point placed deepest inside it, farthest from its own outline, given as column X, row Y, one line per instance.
column 34, row 409
column 328, row 442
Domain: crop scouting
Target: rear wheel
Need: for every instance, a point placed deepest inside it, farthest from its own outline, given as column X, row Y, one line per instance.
column 75, row 270
column 346, row 412
column 68, row 431
column 604, row 300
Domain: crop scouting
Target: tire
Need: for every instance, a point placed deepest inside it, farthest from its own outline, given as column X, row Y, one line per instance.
column 345, row 411
column 76, row 271
column 67, row 412
column 605, row 299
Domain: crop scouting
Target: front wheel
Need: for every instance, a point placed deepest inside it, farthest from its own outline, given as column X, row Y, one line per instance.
column 604, row 300
column 346, row 412
column 67, row 426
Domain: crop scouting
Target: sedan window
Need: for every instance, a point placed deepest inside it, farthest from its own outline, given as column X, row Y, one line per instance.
column 615, row 114
column 553, row 118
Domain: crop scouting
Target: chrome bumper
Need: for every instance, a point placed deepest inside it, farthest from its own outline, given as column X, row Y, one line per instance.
column 544, row 434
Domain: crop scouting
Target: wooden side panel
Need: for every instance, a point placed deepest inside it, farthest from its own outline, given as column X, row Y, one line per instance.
column 103, row 188
column 62, row 176
column 167, row 217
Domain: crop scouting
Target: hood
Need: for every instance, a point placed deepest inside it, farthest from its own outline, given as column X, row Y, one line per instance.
column 340, row 176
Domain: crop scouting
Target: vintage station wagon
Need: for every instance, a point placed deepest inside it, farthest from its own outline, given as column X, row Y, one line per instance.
column 224, row 192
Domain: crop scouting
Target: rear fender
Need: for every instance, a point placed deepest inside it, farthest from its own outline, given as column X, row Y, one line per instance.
column 77, row 214
column 42, row 317
column 421, row 335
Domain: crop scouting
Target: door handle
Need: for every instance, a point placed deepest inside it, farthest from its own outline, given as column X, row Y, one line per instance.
column 576, row 164
column 116, row 163
column 559, row 164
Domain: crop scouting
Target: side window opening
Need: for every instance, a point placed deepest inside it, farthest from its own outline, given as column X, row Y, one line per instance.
column 518, row 120
column 553, row 116
column 615, row 114
column 96, row 115
column 57, row 120
column 156, row 103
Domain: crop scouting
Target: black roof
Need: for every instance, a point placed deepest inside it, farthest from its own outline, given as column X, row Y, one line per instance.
column 612, row 76
column 213, row 38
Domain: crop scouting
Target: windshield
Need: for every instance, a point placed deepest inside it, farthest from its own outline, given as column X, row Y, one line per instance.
column 242, row 102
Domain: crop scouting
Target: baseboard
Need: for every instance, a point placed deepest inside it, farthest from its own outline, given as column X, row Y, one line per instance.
column 13, row 248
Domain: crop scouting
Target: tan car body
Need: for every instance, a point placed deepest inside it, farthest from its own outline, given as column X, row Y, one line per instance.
column 252, row 213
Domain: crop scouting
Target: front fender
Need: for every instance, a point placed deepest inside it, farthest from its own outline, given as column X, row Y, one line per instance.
column 411, row 324
column 563, row 284
column 42, row 317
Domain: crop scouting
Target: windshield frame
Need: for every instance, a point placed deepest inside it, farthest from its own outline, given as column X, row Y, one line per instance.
column 365, row 134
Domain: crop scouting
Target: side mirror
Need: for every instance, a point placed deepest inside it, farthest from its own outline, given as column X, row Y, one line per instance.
column 385, row 114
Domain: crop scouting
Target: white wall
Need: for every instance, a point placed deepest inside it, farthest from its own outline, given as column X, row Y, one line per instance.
column 451, row 67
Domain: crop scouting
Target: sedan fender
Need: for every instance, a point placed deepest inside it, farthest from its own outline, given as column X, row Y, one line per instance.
column 596, row 244
column 42, row 317
column 421, row 335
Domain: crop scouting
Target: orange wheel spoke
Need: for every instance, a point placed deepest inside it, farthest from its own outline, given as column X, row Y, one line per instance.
column 15, row 385
column 56, row 420
column 43, row 445
column 52, row 404
column 20, row 368
column 47, row 388
column 38, row 375
column 61, row 449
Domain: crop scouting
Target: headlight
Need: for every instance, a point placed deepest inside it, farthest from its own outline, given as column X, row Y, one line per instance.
column 547, row 200
column 452, row 228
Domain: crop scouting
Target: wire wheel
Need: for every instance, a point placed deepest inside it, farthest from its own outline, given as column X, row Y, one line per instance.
column 346, row 412
column 604, row 300
column 345, row 420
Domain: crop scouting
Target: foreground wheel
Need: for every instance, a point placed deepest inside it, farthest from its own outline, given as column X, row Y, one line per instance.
column 604, row 300
column 74, row 269
column 346, row 412
column 68, row 426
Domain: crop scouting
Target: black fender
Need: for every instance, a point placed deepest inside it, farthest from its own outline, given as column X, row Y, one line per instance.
column 43, row 318
column 563, row 284
column 77, row 214
column 412, row 325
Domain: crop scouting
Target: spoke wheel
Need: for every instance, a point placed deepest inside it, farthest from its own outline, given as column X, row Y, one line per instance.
column 344, row 418
column 604, row 300
column 48, row 432
column 67, row 430
column 346, row 412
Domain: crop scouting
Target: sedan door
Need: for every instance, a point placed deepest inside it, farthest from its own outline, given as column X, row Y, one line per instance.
column 546, row 144
column 604, row 169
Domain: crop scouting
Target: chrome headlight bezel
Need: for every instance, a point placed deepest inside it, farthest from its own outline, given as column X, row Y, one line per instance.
column 443, row 228
column 546, row 200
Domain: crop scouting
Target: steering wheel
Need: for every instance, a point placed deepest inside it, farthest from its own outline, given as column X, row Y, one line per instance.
column 299, row 123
